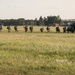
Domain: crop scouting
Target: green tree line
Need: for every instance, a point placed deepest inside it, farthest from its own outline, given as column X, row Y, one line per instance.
column 49, row 20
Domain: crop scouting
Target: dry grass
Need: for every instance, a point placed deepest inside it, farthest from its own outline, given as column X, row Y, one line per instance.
column 37, row 53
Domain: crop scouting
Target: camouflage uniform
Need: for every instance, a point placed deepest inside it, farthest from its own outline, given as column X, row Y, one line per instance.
column 64, row 29
column 57, row 29
column 31, row 28
column 15, row 28
column 26, row 28
column 0, row 27
column 8, row 27
column 42, row 29
column 48, row 29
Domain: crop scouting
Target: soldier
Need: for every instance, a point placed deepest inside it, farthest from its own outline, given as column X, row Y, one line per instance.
column 15, row 28
column 64, row 29
column 57, row 28
column 42, row 29
column 31, row 28
column 8, row 27
column 26, row 28
column 0, row 27
column 48, row 29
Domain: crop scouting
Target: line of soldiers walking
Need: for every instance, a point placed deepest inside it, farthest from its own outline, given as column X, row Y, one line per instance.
column 25, row 28
column 9, row 28
column 30, row 28
column 65, row 29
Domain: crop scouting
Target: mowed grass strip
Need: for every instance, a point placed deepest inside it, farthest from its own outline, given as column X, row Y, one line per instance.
column 37, row 53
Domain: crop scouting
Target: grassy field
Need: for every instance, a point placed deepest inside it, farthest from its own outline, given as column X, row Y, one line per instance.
column 37, row 53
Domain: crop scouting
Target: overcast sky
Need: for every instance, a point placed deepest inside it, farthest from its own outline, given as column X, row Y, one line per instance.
column 30, row 9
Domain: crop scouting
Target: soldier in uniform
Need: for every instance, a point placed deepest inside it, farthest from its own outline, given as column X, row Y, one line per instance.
column 57, row 28
column 8, row 27
column 26, row 28
column 48, row 29
column 41, row 29
column 0, row 27
column 64, row 29
column 31, row 28
column 15, row 28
